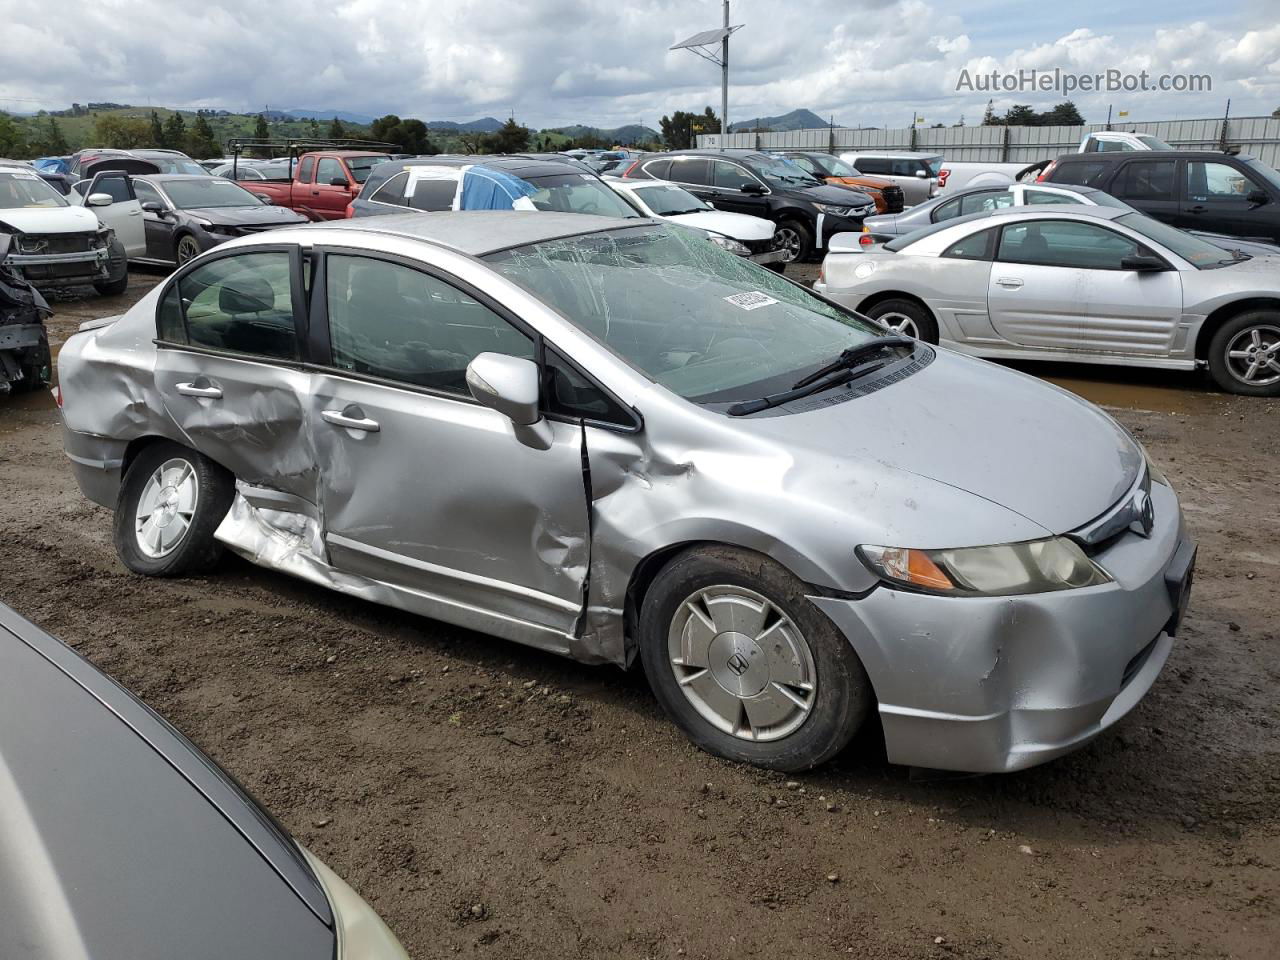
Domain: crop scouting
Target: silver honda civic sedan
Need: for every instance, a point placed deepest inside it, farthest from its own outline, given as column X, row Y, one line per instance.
column 615, row 441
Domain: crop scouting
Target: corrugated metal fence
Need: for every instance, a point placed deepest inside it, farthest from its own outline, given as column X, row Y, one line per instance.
column 1258, row 136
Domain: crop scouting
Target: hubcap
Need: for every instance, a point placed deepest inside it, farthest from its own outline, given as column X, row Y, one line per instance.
column 900, row 323
column 742, row 663
column 165, row 509
column 187, row 250
column 788, row 241
column 1253, row 355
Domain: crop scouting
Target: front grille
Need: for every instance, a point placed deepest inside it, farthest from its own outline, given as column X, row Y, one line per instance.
column 759, row 246
column 892, row 199
column 260, row 227
column 56, row 243
column 1133, row 666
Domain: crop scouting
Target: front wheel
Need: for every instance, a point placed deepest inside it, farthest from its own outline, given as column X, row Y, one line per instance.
column 1244, row 354
column 794, row 239
column 745, row 665
column 186, row 249
column 171, row 501
column 907, row 318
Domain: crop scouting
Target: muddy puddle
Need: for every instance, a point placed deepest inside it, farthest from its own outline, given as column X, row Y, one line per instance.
column 1151, row 391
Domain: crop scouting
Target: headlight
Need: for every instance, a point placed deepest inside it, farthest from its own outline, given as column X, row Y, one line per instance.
column 221, row 229
column 1036, row 566
column 730, row 244
column 361, row 933
column 833, row 210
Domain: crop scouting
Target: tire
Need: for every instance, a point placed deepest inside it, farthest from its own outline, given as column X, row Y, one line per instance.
column 37, row 367
column 906, row 317
column 795, row 239
column 185, row 249
column 776, row 267
column 200, row 504
column 1245, row 344
column 779, row 723
column 112, row 288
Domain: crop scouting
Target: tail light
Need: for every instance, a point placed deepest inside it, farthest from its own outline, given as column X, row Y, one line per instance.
column 630, row 167
column 57, row 396
column 1047, row 170
column 942, row 177
column 866, row 240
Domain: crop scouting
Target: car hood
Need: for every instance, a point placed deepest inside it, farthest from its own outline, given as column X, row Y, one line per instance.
column 826, row 193
column 246, row 216
column 46, row 220
column 740, row 226
column 1001, row 435
column 1255, row 268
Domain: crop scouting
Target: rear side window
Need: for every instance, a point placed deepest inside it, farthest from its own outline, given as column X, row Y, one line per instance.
column 978, row 246
column 873, row 165
column 392, row 190
column 240, row 304
column 304, row 170
column 390, row 321
column 433, row 194
column 692, row 170
column 1045, row 197
column 117, row 186
column 1087, row 174
column 657, row 169
column 1148, row 179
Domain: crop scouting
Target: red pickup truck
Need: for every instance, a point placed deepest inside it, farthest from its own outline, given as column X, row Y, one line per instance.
column 323, row 183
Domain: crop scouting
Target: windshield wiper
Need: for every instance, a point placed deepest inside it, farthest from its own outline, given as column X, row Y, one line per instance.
column 850, row 356
column 834, row 375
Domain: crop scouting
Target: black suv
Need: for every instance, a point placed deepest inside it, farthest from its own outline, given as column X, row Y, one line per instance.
column 806, row 210
column 1191, row 189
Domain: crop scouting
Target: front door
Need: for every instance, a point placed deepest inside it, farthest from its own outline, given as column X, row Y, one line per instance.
column 727, row 180
column 424, row 488
column 1221, row 198
column 159, row 224
column 229, row 367
column 123, row 214
column 1059, row 284
column 331, row 192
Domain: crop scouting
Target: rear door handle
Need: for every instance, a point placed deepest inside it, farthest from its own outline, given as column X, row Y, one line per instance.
column 1012, row 282
column 199, row 389
column 352, row 418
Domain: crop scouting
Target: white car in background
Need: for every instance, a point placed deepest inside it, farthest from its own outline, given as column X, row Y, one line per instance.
column 740, row 233
column 1107, row 141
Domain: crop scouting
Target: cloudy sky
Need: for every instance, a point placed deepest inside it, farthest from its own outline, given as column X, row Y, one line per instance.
column 605, row 62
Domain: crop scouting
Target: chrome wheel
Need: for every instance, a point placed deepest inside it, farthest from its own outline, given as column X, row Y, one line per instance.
column 188, row 249
column 899, row 323
column 165, row 508
column 742, row 663
column 1253, row 355
column 789, row 241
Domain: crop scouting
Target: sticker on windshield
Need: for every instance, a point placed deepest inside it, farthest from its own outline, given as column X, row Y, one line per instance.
column 751, row 301
column 24, row 176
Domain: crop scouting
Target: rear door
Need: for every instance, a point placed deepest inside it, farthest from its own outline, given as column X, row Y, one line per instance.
column 331, row 191
column 423, row 487
column 1059, row 284
column 229, row 367
column 694, row 174
column 1151, row 186
column 123, row 214
column 1216, row 198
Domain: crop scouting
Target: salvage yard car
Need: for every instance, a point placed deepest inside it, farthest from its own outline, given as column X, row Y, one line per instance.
column 886, row 193
column 918, row 174
column 611, row 439
column 1087, row 284
column 323, row 183
column 185, row 216
column 118, row 838
column 54, row 243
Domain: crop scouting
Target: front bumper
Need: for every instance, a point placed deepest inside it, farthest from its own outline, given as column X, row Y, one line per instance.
column 769, row 256
column 829, row 225
column 45, row 268
column 995, row 684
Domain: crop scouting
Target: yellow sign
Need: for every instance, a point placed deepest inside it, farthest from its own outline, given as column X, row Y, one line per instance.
column 1123, row 113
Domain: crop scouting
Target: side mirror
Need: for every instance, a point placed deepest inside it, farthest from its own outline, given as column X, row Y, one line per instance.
column 1142, row 263
column 338, row 182
column 922, row 174
column 506, row 384
column 1257, row 197
column 98, row 200
column 753, row 188
column 152, row 206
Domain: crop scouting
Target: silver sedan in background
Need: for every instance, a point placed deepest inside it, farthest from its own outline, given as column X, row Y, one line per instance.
column 612, row 440
column 1087, row 284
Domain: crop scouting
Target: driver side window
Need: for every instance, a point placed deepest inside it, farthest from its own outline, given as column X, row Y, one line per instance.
column 147, row 193
column 1065, row 243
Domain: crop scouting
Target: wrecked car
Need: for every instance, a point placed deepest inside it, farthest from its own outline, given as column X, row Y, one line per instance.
column 55, row 243
column 24, row 344
column 612, row 440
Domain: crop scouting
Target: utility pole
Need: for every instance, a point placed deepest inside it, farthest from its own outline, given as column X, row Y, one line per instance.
column 703, row 45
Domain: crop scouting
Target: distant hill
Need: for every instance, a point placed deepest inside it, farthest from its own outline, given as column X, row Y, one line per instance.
column 483, row 125
column 305, row 113
column 631, row 133
column 795, row 120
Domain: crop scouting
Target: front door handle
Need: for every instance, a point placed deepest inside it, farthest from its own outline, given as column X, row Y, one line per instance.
column 1198, row 209
column 1011, row 282
column 135, row 213
column 352, row 418
column 201, row 388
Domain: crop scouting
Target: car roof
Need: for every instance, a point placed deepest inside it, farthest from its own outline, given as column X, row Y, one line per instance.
column 163, row 178
column 1039, row 211
column 519, row 166
column 1115, row 156
column 478, row 232
column 904, row 154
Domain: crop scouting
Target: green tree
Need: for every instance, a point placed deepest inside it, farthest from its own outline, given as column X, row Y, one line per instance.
column 314, row 129
column 1021, row 115
column 1064, row 114
column 511, row 137
column 260, row 128
column 54, row 143
column 413, row 136
column 175, row 132
column 336, row 130
column 121, row 133
column 679, row 130
column 989, row 118
column 157, row 131
column 203, row 143
column 12, row 142
column 385, row 128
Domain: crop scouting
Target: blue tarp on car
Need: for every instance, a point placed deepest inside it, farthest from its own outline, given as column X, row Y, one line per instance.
column 486, row 189
column 51, row 164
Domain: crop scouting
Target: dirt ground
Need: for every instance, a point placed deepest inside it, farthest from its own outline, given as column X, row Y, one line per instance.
column 494, row 801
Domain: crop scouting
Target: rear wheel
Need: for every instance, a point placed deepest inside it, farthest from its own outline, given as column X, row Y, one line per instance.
column 1244, row 354
column 745, row 665
column 794, row 239
column 186, row 249
column 171, row 501
column 907, row 318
